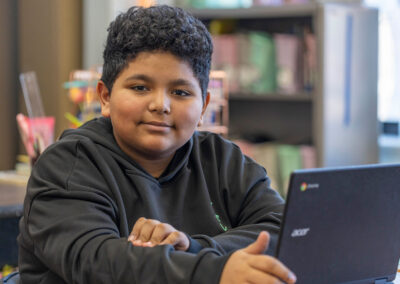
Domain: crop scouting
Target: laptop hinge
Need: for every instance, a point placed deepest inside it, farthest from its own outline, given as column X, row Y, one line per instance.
column 381, row 281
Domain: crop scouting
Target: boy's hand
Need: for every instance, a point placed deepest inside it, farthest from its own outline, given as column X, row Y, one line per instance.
column 150, row 233
column 249, row 265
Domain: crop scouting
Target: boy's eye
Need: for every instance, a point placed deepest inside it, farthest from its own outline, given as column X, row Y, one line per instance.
column 181, row 93
column 139, row 88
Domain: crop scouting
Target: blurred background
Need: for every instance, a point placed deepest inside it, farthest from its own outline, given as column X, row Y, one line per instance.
column 306, row 83
column 295, row 83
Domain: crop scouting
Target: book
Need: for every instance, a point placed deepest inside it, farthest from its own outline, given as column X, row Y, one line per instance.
column 279, row 160
column 309, row 61
column 262, row 57
column 266, row 155
column 287, row 49
column 225, row 57
column 289, row 159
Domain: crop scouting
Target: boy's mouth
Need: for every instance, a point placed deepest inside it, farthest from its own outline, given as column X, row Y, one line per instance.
column 158, row 123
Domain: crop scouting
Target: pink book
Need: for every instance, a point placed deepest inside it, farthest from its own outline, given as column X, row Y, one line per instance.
column 308, row 157
column 287, row 60
column 226, row 57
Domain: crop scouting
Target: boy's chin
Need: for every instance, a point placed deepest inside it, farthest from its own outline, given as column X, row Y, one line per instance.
column 159, row 150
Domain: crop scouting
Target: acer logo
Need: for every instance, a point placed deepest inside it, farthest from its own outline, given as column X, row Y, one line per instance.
column 300, row 232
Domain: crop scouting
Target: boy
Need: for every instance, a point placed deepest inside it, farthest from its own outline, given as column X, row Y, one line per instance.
column 138, row 196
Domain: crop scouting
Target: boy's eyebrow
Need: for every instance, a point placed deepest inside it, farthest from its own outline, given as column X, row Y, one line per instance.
column 180, row 82
column 139, row 77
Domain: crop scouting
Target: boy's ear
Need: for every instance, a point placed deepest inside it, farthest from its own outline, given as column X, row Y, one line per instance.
column 205, row 104
column 104, row 96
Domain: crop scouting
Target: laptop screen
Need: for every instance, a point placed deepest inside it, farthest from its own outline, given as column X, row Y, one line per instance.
column 342, row 224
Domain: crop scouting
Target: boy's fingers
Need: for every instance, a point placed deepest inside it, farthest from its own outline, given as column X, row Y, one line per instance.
column 136, row 229
column 178, row 240
column 142, row 229
column 147, row 229
column 260, row 245
column 256, row 276
column 161, row 231
column 139, row 243
column 148, row 233
column 172, row 239
column 274, row 267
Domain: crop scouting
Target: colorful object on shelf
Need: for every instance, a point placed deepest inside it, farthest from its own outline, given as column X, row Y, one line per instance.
column 82, row 92
column 146, row 3
column 73, row 119
column 76, row 95
column 36, row 130
column 37, row 134
column 6, row 270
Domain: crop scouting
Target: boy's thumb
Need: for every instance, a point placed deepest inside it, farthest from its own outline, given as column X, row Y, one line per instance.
column 260, row 245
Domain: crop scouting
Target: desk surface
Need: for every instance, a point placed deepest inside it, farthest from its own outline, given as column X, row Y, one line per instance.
column 11, row 200
column 12, row 188
column 13, row 194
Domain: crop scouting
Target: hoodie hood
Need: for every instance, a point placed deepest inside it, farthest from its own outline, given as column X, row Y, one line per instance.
column 100, row 132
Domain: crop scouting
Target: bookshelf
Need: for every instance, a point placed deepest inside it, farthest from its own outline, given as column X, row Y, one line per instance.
column 339, row 116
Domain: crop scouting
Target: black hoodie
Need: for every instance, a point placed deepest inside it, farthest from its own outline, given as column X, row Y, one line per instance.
column 85, row 195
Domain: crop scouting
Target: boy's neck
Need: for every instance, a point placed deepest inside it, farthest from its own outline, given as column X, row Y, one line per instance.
column 155, row 167
column 154, row 164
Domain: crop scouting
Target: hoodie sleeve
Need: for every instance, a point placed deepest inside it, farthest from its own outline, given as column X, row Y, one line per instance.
column 73, row 231
column 253, row 218
column 246, row 203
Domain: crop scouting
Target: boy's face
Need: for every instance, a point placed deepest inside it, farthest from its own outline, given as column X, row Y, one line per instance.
column 155, row 105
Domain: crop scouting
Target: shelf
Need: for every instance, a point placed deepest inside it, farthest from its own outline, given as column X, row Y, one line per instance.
column 298, row 97
column 288, row 10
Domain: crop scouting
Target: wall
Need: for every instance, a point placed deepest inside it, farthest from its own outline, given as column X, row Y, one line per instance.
column 50, row 40
column 8, row 83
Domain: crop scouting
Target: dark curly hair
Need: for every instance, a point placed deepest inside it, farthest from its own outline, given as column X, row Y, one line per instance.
column 155, row 28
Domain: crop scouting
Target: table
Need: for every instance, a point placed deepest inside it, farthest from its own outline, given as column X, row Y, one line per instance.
column 12, row 194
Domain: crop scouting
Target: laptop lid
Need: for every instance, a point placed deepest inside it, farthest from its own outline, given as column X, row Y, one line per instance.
column 342, row 225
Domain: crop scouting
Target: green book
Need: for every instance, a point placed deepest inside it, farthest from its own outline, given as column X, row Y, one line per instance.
column 289, row 159
column 265, row 154
column 262, row 58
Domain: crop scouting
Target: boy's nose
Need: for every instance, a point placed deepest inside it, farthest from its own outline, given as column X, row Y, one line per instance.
column 160, row 102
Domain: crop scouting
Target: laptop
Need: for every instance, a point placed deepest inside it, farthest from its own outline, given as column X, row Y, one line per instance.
column 342, row 225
